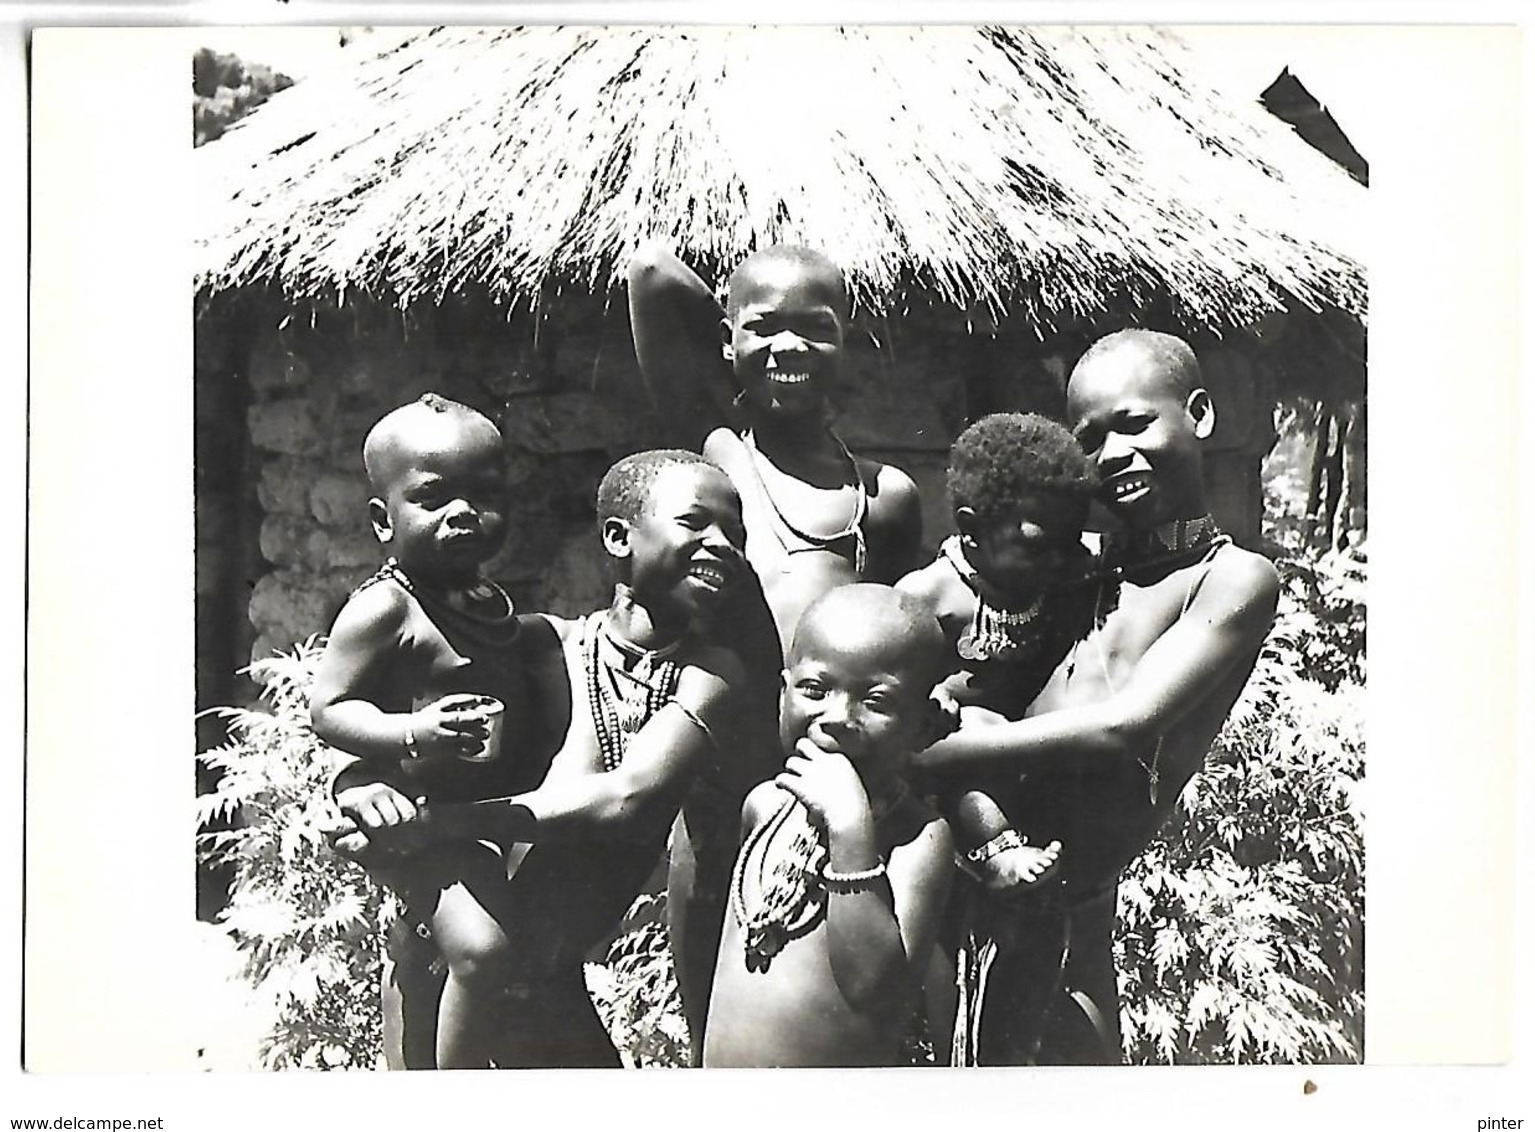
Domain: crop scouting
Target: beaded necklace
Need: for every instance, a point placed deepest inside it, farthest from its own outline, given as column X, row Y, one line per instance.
column 995, row 631
column 482, row 612
column 623, row 695
column 854, row 528
column 1167, row 543
column 786, row 856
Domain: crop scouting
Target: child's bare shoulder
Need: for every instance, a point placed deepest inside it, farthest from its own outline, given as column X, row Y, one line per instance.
column 920, row 850
column 713, row 663
column 762, row 801
column 927, row 583
column 538, row 633
column 373, row 609
column 547, row 626
column 1243, row 578
column 720, row 446
column 889, row 482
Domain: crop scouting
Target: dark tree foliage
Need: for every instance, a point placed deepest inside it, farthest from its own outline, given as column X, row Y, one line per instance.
column 225, row 88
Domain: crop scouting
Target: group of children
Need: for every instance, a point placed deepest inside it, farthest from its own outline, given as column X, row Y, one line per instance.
column 887, row 788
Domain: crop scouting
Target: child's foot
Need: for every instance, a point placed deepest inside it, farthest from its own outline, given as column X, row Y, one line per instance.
column 1020, row 868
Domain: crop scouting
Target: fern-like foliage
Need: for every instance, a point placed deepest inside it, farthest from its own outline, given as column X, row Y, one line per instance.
column 635, row 990
column 306, row 921
column 1240, row 928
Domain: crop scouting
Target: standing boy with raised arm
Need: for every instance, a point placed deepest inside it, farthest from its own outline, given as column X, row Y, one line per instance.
column 1129, row 715
column 750, row 384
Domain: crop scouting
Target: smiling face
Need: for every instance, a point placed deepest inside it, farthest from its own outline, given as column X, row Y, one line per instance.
column 1140, row 417
column 684, row 545
column 785, row 332
column 860, row 679
column 441, row 511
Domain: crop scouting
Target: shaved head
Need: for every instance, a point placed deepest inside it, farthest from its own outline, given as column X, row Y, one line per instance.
column 805, row 267
column 430, row 422
column 1168, row 357
column 876, row 619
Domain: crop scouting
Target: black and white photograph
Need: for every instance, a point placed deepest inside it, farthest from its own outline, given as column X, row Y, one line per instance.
column 771, row 545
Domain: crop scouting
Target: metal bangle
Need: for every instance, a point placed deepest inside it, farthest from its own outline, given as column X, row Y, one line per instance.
column 1007, row 839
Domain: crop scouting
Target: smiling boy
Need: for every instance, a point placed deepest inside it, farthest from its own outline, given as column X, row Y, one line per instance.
column 1127, row 718
column 751, row 385
column 816, row 515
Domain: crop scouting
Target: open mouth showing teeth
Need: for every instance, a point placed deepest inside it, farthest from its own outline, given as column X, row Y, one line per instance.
column 711, row 575
column 1129, row 487
column 790, row 378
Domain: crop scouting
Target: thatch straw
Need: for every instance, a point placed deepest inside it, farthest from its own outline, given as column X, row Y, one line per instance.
column 1045, row 173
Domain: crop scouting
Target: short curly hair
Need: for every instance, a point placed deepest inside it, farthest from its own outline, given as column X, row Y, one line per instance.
column 1005, row 459
column 625, row 487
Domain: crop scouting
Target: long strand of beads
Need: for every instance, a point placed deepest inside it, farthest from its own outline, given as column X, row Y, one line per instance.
column 620, row 710
column 788, row 897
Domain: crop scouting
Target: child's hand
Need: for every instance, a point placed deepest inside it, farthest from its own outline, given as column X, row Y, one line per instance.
column 376, row 805
column 826, row 785
column 377, row 816
column 450, row 727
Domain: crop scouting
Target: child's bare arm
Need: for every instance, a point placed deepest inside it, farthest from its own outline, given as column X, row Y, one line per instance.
column 640, row 795
column 676, row 324
column 1223, row 628
column 920, row 873
column 901, row 511
column 880, row 917
column 350, row 682
column 344, row 707
column 879, row 938
column 352, row 675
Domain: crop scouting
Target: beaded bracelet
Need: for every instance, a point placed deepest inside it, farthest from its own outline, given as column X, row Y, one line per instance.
column 1007, row 839
column 861, row 881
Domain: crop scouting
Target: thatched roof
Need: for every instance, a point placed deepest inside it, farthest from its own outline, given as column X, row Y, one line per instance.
column 1043, row 173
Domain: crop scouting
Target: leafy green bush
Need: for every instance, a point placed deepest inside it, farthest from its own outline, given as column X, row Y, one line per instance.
column 635, row 990
column 305, row 920
column 1325, row 590
column 1240, row 927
